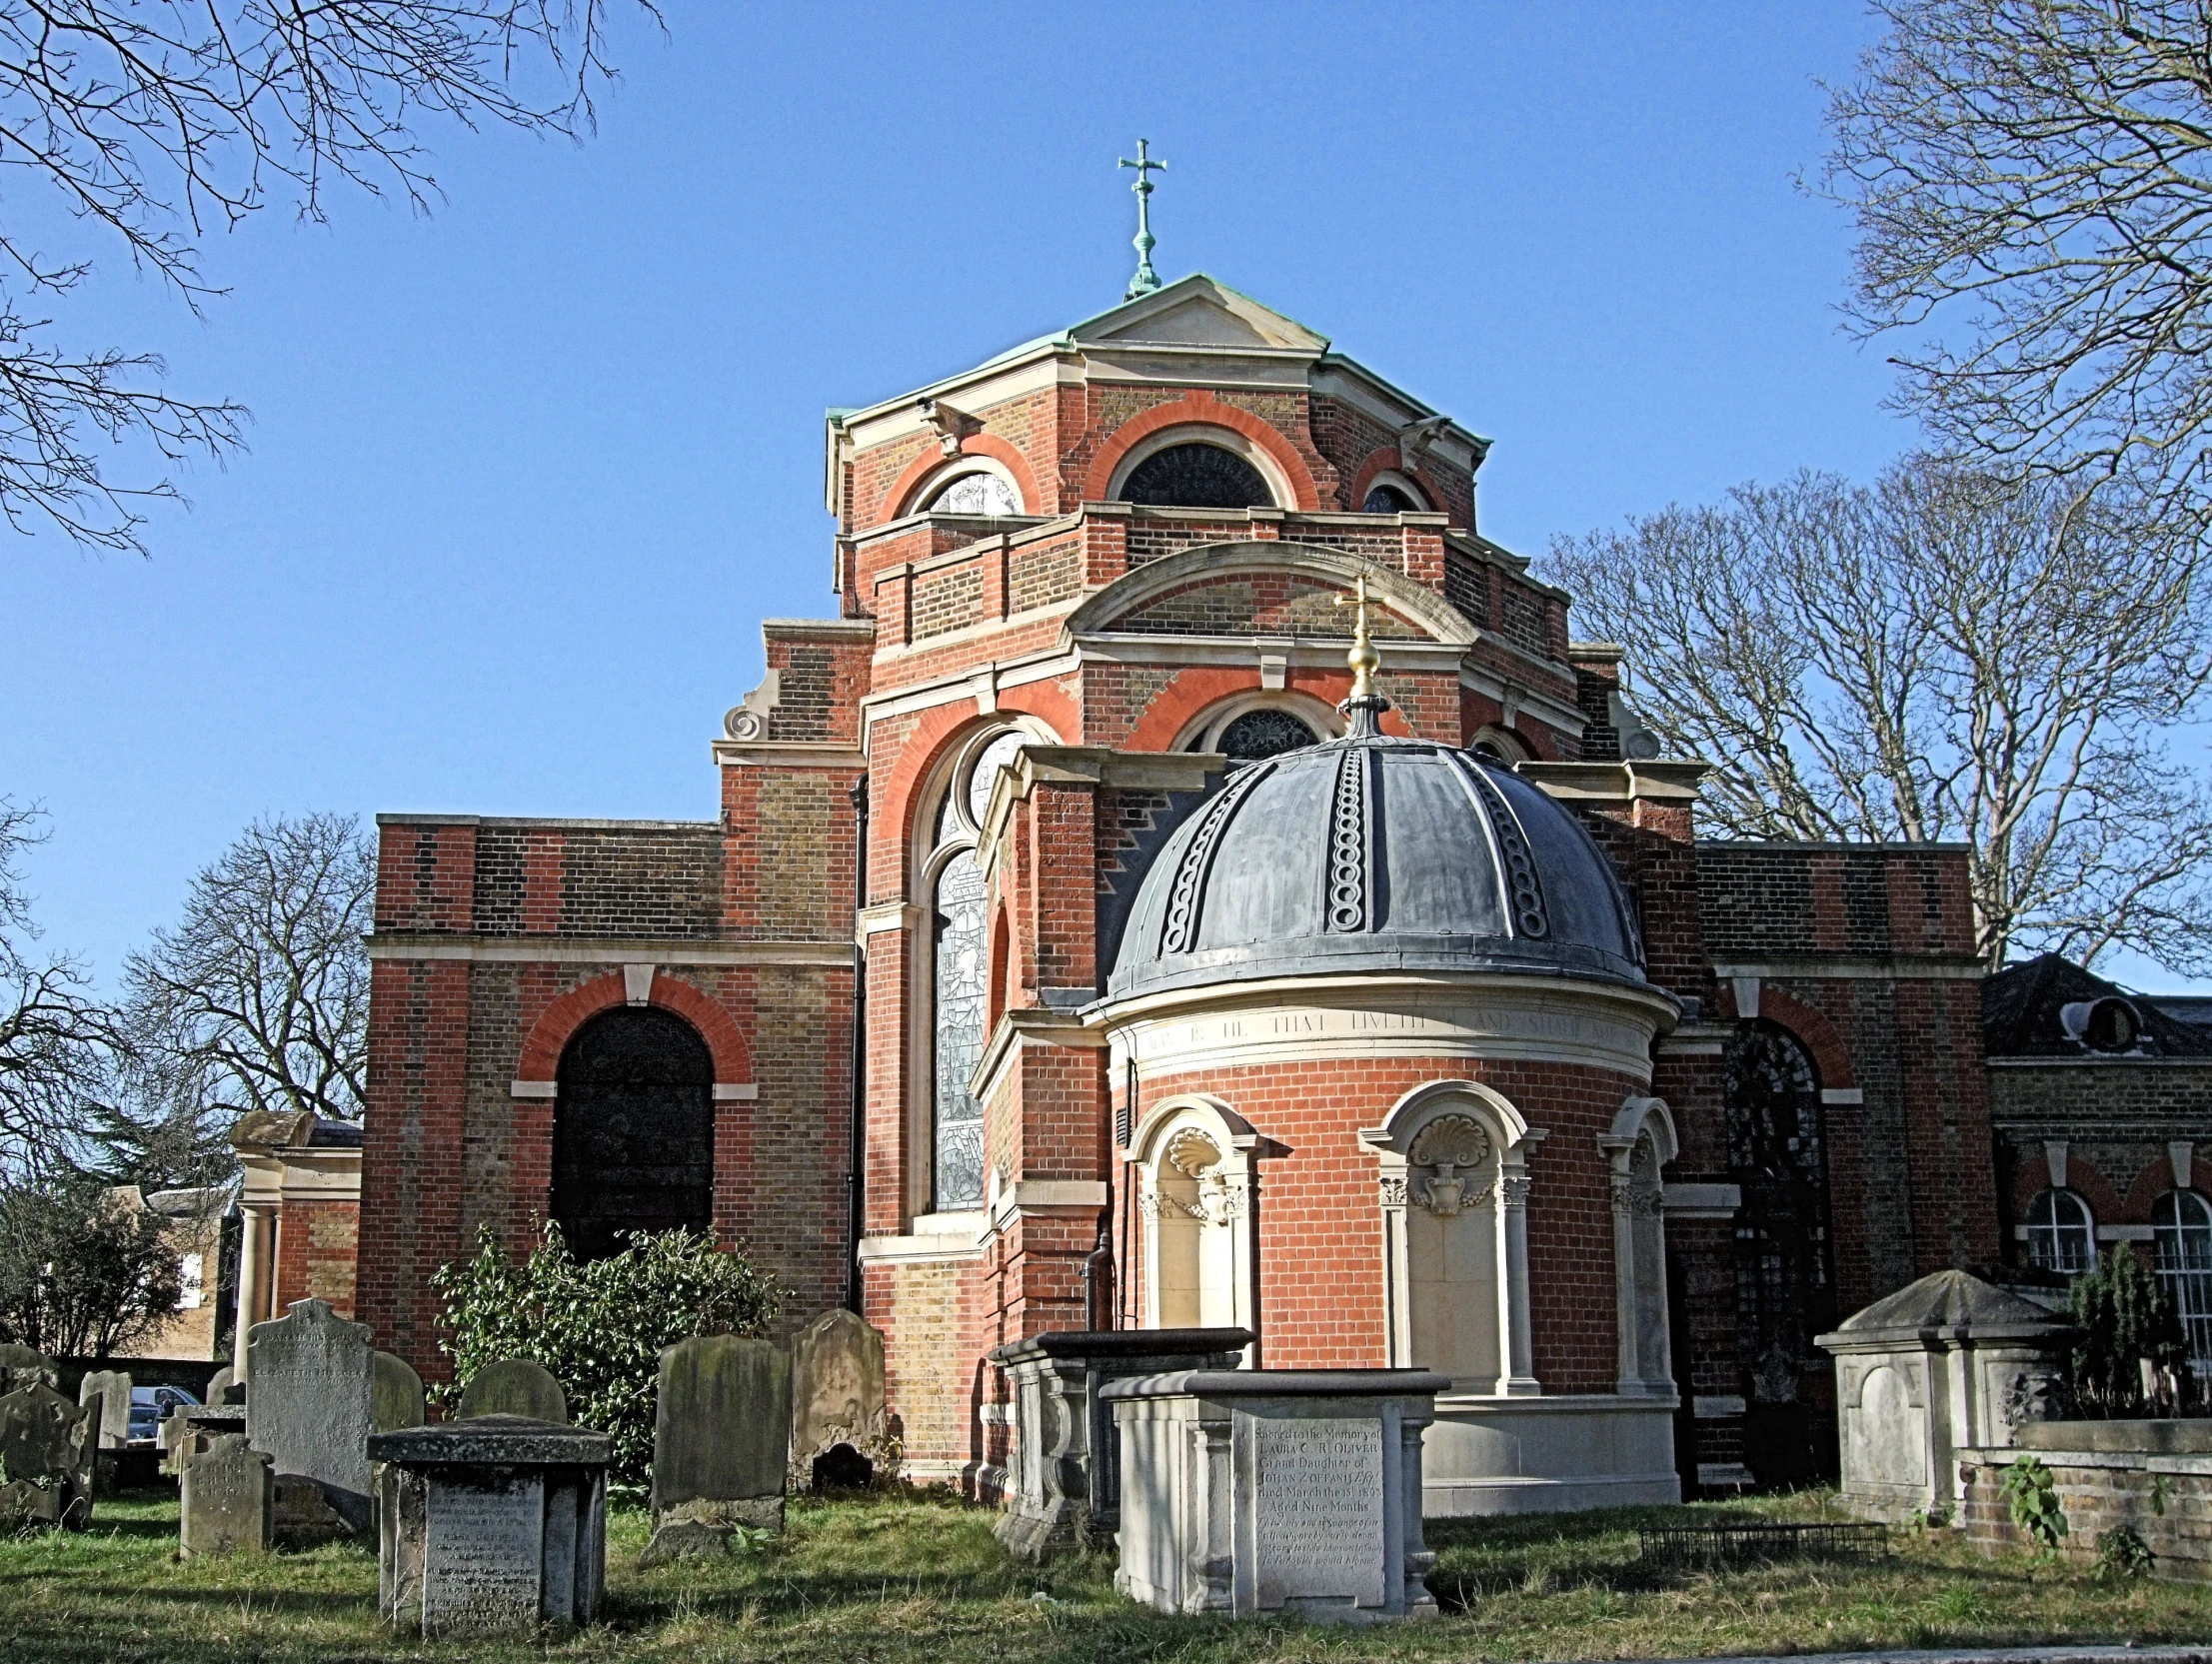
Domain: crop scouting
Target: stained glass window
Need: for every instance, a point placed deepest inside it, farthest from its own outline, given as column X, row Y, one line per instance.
column 2182, row 1222
column 2061, row 1234
column 1196, row 477
column 1389, row 500
column 1262, row 734
column 984, row 773
column 960, row 973
column 976, row 493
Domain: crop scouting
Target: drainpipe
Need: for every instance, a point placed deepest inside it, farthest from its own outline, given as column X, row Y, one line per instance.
column 856, row 1139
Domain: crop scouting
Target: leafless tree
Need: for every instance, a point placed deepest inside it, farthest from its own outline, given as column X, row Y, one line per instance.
column 1949, row 655
column 152, row 121
column 2032, row 181
column 259, row 998
column 57, row 1043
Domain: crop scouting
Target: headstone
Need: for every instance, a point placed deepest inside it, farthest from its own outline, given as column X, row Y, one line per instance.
column 395, row 1393
column 1064, row 1488
column 839, row 1435
column 1296, row 1492
column 21, row 1367
column 48, row 1451
column 310, row 1404
column 224, row 1387
column 191, row 1428
column 113, row 1388
column 720, row 1443
column 1943, row 1365
column 491, row 1524
column 515, row 1387
column 228, row 1496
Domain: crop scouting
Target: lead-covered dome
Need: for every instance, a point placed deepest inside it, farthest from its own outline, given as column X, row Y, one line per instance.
column 1370, row 854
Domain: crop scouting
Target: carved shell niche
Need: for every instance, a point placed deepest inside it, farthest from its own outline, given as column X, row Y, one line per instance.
column 1452, row 1145
column 1191, row 1152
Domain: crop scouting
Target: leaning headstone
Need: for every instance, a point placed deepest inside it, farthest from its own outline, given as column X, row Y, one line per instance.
column 113, row 1388
column 310, row 1406
column 228, row 1496
column 1293, row 1492
column 191, row 1428
column 224, row 1387
column 720, row 1443
column 515, row 1387
column 1064, row 1487
column 21, row 1367
column 48, row 1451
column 1945, row 1364
column 496, row 1523
column 838, row 1431
column 395, row 1393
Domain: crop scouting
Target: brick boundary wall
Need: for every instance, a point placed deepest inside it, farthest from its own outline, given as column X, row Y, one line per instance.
column 2099, row 1491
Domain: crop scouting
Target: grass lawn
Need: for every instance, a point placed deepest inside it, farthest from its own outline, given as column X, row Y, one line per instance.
column 908, row 1578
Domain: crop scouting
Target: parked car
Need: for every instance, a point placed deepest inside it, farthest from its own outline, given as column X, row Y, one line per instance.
column 148, row 1405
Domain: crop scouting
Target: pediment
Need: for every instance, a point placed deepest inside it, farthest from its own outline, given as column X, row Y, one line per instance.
column 1198, row 312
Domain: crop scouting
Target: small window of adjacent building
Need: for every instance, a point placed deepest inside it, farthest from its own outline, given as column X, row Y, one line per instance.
column 2182, row 1224
column 2062, row 1236
column 191, row 1281
column 1197, row 475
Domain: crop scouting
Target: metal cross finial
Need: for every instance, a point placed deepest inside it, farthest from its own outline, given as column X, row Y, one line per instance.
column 1147, row 279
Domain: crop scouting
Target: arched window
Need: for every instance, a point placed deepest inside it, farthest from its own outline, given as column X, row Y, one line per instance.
column 1197, row 475
column 980, row 493
column 1785, row 1284
column 1264, row 732
column 633, row 1130
column 2061, row 1234
column 959, row 995
column 1389, row 500
column 2182, row 1222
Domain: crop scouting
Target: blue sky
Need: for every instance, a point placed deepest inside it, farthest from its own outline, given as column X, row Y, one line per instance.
column 524, row 474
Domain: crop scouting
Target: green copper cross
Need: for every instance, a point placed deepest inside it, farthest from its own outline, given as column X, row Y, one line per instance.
column 1147, row 279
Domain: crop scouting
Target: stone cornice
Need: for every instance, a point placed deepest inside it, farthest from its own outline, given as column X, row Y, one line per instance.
column 1024, row 1024
column 1656, row 782
column 787, row 753
column 1857, row 967
column 671, row 951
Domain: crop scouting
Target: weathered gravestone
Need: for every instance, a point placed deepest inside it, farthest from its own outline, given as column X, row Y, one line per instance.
column 22, row 1367
column 48, row 1449
column 191, row 1428
column 515, row 1387
column 1064, row 1487
column 310, row 1405
column 395, row 1393
column 1296, row 1492
column 228, row 1499
column 496, row 1523
column 224, row 1387
column 112, row 1387
column 720, row 1443
column 1945, row 1364
column 839, row 1433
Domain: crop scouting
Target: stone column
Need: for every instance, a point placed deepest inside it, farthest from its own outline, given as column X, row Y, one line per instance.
column 1518, row 1343
column 1398, row 1288
column 250, row 1270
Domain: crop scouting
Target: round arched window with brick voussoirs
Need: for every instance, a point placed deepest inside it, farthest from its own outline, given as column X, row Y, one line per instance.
column 1197, row 475
column 2181, row 1222
column 633, row 1130
column 1389, row 500
column 2061, row 1234
column 958, row 992
column 1786, row 1277
column 978, row 492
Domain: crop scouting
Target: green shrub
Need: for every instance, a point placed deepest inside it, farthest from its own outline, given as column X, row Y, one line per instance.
column 2123, row 1556
column 2128, row 1318
column 598, row 1328
column 2033, row 1493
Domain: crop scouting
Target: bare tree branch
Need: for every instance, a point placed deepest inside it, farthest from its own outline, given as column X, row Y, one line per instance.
column 1951, row 654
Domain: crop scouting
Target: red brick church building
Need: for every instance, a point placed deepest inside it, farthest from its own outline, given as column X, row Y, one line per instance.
column 1076, row 946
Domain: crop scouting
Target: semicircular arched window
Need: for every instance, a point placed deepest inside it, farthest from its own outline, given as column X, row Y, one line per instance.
column 2181, row 1222
column 980, row 493
column 1264, row 732
column 633, row 1130
column 1197, row 475
column 1389, row 500
column 2061, row 1234
column 959, row 972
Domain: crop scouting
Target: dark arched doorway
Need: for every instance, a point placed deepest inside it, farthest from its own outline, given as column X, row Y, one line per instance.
column 633, row 1130
column 1785, row 1278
